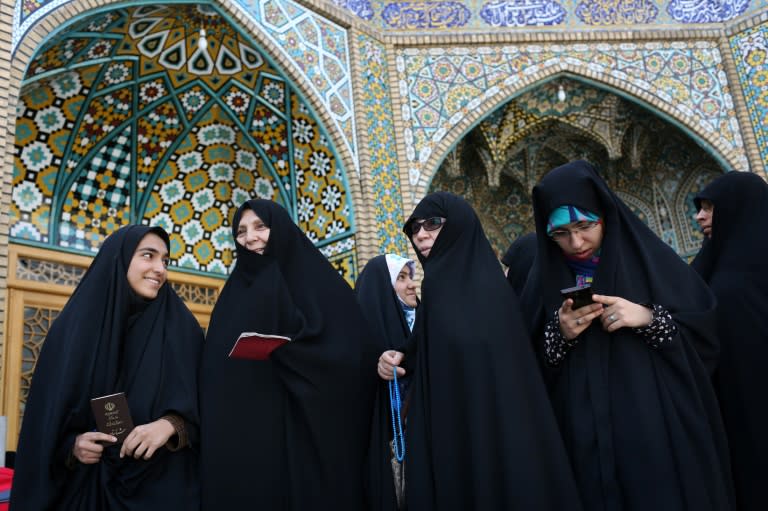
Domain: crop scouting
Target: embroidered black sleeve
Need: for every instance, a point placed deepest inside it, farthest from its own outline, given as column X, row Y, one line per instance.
column 556, row 346
column 661, row 330
column 180, row 439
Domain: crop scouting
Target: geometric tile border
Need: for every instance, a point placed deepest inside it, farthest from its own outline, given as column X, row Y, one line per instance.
column 444, row 88
column 318, row 48
column 750, row 51
column 486, row 15
column 376, row 105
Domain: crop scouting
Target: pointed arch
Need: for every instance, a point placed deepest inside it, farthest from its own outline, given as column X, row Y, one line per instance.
column 728, row 155
column 342, row 131
column 320, row 149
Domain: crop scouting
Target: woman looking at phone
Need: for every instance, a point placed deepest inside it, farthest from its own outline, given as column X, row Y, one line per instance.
column 629, row 374
column 579, row 235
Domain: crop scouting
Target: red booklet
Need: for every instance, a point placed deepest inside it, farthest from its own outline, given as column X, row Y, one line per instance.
column 256, row 346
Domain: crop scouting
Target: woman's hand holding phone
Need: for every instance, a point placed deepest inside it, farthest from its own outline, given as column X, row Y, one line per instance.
column 573, row 321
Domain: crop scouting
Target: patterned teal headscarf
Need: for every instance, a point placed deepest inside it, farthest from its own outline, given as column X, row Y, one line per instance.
column 565, row 215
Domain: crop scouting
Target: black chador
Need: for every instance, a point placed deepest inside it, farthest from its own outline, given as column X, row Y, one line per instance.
column 734, row 264
column 638, row 415
column 481, row 433
column 384, row 312
column 519, row 259
column 288, row 433
column 106, row 340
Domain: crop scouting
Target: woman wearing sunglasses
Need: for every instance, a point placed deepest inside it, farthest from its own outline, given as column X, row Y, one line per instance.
column 628, row 375
column 481, row 433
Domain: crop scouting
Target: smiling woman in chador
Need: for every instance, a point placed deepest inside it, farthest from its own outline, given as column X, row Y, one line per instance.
column 124, row 333
column 285, row 429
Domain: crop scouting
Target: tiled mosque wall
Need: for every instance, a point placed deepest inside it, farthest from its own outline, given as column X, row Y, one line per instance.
column 127, row 118
column 652, row 165
column 272, row 108
column 490, row 15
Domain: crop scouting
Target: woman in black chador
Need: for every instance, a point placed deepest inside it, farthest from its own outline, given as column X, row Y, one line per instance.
column 628, row 374
column 733, row 262
column 481, row 433
column 519, row 259
column 386, row 292
column 123, row 330
column 290, row 432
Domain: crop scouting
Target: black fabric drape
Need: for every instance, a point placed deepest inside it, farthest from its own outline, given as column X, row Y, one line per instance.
column 108, row 340
column 734, row 264
column 481, row 433
column 384, row 313
column 519, row 259
column 288, row 433
column 642, row 426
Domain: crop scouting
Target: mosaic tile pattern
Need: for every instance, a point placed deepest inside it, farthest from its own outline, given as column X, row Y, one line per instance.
column 379, row 126
column 425, row 15
column 513, row 13
column 657, row 178
column 750, row 50
column 165, row 132
column 343, row 256
column 319, row 49
column 317, row 46
column 451, row 15
column 621, row 12
column 711, row 11
column 360, row 8
column 445, row 85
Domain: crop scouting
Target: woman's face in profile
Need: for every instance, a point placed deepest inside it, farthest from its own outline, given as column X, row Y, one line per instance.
column 149, row 267
column 405, row 287
column 252, row 232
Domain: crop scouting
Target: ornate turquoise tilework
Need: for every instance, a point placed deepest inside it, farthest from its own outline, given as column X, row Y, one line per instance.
column 426, row 15
column 319, row 49
column 750, row 50
column 525, row 13
column 711, row 11
column 453, row 15
column 653, row 166
column 380, row 129
column 153, row 127
column 444, row 85
column 488, row 15
column 361, row 8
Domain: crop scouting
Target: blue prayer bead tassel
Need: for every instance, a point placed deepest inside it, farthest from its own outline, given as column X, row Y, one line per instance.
column 397, row 425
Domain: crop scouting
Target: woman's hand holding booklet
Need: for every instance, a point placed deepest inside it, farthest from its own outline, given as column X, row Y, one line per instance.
column 256, row 346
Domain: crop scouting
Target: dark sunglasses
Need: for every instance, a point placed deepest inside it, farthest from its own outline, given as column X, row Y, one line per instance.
column 430, row 224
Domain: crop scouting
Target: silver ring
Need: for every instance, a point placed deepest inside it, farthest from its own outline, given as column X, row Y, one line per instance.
column 578, row 321
column 612, row 317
